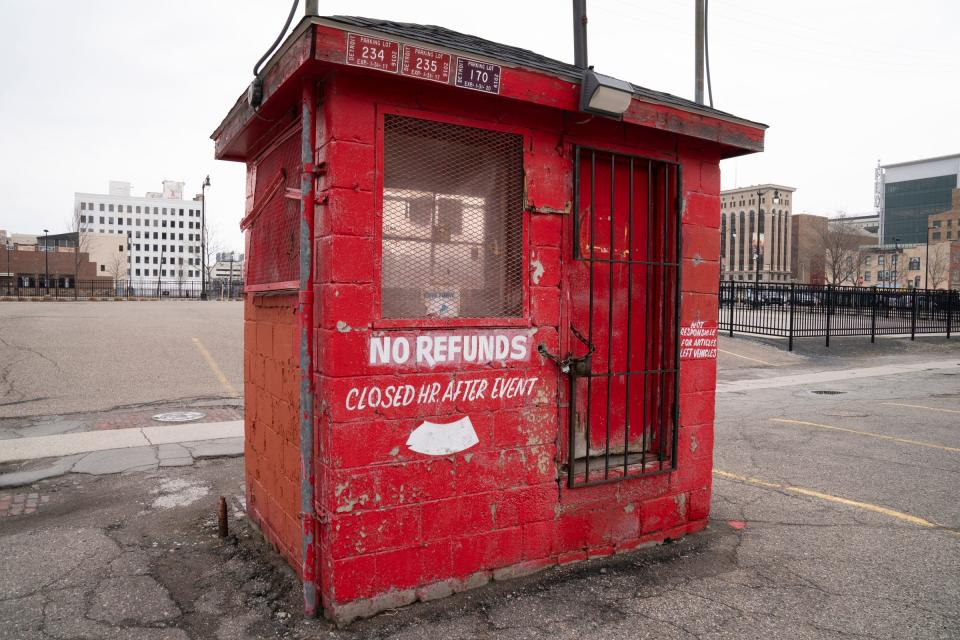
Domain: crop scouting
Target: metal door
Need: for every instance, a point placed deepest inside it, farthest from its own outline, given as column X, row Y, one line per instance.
column 622, row 279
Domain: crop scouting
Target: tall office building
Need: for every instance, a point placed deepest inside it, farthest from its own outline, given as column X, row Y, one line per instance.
column 909, row 192
column 161, row 229
column 755, row 233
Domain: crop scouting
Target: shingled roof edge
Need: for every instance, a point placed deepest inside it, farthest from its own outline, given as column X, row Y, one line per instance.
column 468, row 43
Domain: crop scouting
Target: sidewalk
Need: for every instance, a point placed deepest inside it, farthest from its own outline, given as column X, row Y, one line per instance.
column 116, row 450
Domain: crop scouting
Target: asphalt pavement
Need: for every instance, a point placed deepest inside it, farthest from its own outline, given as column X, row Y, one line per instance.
column 834, row 515
column 69, row 357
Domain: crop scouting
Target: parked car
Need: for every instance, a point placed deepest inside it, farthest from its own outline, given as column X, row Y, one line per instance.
column 944, row 301
column 805, row 298
column 765, row 296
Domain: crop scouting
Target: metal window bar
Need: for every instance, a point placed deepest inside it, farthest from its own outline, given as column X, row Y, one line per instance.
column 642, row 212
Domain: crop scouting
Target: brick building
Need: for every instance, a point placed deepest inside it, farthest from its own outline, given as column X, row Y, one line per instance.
column 945, row 226
column 807, row 255
column 26, row 266
column 955, row 265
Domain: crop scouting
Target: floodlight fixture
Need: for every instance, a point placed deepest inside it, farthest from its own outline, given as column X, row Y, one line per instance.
column 604, row 95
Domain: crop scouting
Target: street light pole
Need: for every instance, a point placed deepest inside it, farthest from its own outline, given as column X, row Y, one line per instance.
column 46, row 262
column 893, row 263
column 230, row 285
column 926, row 263
column 203, row 238
column 758, row 254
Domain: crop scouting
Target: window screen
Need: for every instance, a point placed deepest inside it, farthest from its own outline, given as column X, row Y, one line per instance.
column 452, row 221
column 273, row 223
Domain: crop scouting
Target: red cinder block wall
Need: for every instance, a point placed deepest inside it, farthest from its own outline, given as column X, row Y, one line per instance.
column 271, row 426
column 395, row 525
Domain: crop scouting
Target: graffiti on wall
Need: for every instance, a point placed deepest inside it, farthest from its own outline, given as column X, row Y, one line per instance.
column 395, row 396
column 698, row 342
column 471, row 347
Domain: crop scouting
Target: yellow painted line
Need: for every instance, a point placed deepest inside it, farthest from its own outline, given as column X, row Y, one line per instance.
column 867, row 506
column 737, row 355
column 919, row 443
column 919, row 406
column 747, row 479
column 215, row 368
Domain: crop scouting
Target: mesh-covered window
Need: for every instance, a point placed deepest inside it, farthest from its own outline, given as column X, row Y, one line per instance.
column 452, row 221
column 273, row 252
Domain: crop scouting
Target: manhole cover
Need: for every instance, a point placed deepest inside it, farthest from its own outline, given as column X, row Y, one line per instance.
column 179, row 416
column 827, row 392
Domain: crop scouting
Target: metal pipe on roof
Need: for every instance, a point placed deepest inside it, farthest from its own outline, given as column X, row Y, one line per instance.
column 698, row 47
column 580, row 33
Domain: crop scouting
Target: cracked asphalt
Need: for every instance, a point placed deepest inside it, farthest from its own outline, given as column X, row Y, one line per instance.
column 138, row 557
column 834, row 515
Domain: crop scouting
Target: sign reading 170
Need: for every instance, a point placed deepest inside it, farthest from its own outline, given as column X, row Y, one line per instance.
column 480, row 76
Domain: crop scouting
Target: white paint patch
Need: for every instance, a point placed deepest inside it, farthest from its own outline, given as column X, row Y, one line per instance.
column 178, row 493
column 537, row 270
column 434, row 439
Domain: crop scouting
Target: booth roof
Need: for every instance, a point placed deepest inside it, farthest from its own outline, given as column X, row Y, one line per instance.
column 447, row 38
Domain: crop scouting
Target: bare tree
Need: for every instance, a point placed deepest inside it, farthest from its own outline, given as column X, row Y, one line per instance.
column 938, row 266
column 896, row 268
column 117, row 266
column 180, row 276
column 843, row 261
column 83, row 240
column 212, row 247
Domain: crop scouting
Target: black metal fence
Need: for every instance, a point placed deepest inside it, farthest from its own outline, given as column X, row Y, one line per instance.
column 804, row 310
column 139, row 289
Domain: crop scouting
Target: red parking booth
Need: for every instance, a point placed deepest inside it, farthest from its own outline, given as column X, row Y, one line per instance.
column 480, row 322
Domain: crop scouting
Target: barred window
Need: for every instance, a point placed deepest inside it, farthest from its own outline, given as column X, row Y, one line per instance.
column 452, row 221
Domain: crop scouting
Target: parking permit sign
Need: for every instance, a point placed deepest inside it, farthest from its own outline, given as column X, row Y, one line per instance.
column 476, row 75
column 373, row 53
column 426, row 64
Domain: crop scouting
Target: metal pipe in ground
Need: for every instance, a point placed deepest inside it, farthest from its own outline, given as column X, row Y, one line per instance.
column 223, row 525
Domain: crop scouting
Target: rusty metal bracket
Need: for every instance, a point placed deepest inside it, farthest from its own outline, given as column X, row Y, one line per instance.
column 548, row 211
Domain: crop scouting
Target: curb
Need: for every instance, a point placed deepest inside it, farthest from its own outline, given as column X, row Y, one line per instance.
column 34, row 448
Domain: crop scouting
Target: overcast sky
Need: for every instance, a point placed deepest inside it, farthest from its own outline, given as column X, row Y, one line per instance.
column 99, row 90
